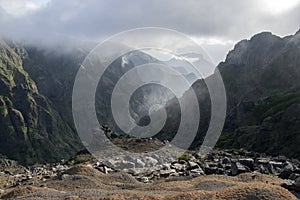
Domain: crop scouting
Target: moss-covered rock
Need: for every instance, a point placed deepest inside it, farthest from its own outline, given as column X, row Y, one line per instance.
column 30, row 129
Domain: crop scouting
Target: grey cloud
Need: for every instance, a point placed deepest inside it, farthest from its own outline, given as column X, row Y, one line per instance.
column 98, row 19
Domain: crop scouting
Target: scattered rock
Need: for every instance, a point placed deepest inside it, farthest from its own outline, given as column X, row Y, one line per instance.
column 238, row 168
column 166, row 173
column 249, row 162
column 286, row 171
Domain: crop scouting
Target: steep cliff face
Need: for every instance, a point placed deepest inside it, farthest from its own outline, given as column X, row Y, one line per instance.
column 30, row 129
column 262, row 80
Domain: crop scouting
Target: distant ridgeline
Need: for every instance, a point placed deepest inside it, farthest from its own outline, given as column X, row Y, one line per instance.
column 261, row 77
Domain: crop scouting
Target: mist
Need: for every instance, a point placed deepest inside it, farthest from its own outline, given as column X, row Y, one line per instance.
column 215, row 25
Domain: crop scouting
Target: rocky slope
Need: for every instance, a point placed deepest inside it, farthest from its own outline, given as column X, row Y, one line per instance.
column 251, row 176
column 261, row 77
column 30, row 129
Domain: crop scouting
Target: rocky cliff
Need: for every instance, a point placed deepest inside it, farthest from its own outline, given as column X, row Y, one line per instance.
column 30, row 129
column 262, row 80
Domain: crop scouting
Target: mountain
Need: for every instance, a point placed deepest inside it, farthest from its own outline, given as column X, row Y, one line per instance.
column 261, row 77
column 262, row 81
column 142, row 99
column 30, row 129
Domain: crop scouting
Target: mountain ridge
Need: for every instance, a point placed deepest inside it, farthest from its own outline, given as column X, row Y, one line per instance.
column 261, row 77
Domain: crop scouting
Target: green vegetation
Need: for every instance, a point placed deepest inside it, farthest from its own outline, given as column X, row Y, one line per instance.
column 225, row 137
column 3, row 107
column 239, row 151
column 184, row 156
column 36, row 129
column 82, row 158
column 3, row 111
column 275, row 104
column 8, row 102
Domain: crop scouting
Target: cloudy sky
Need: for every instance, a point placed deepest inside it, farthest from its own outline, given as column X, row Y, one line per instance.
column 216, row 24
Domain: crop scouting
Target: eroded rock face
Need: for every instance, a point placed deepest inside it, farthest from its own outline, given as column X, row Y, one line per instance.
column 30, row 129
column 261, row 77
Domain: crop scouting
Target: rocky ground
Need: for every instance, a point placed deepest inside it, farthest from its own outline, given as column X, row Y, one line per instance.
column 222, row 174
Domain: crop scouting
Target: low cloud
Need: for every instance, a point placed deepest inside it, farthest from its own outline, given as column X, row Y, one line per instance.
column 226, row 22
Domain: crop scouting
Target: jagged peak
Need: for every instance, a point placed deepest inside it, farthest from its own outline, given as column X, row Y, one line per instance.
column 264, row 36
column 246, row 49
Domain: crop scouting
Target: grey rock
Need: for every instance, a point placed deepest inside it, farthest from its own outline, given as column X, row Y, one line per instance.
column 263, row 161
column 204, row 165
column 296, row 170
column 270, row 168
column 286, row 171
column 149, row 161
column 110, row 163
column 129, row 158
column 64, row 177
column 178, row 167
column 166, row 166
column 126, row 164
column 276, row 164
column 139, row 163
column 145, row 179
column 249, row 162
column 166, row 173
column 237, row 168
column 294, row 176
column 262, row 169
column 193, row 165
column 297, row 183
column 281, row 159
column 225, row 160
column 133, row 171
column 211, row 170
column 197, row 172
column 292, row 186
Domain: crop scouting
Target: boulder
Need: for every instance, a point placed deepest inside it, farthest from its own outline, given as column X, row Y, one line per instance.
column 297, row 183
column 178, row 167
column 211, row 170
column 271, row 169
column 193, row 165
column 145, row 179
column 276, row 164
column 263, row 161
column 166, row 173
column 294, row 176
column 166, row 166
column 149, row 161
column 197, row 172
column 249, row 162
column 139, row 163
column 286, row 171
column 238, row 168
column 125, row 164
column 262, row 169
column 225, row 160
